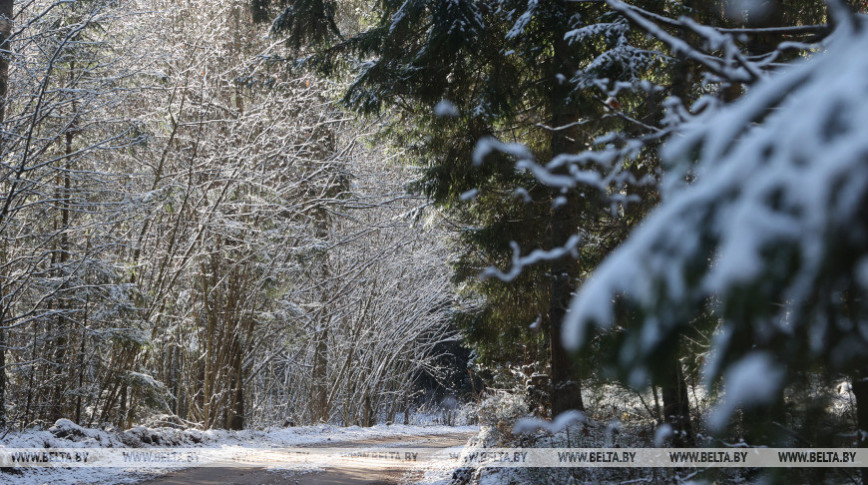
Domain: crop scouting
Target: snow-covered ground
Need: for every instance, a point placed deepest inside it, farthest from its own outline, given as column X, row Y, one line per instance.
column 439, row 472
column 66, row 434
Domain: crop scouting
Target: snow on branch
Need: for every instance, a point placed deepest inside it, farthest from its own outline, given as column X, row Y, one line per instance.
column 774, row 216
column 733, row 65
column 535, row 256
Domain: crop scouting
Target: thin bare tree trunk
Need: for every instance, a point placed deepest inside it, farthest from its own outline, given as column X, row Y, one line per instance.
column 6, row 12
column 319, row 387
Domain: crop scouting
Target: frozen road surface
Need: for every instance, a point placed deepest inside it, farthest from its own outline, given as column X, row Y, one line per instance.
column 357, row 472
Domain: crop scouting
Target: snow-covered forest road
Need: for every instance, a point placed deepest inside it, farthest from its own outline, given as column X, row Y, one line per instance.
column 359, row 472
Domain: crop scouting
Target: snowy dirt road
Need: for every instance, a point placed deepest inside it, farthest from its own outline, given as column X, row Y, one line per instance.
column 368, row 472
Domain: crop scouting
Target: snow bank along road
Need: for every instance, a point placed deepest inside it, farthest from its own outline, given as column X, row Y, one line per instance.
column 359, row 471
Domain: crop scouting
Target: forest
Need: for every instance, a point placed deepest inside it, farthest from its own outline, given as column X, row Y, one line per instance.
column 638, row 223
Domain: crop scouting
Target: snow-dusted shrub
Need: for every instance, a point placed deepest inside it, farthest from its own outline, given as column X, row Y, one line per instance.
column 64, row 428
column 468, row 414
column 142, row 436
column 501, row 407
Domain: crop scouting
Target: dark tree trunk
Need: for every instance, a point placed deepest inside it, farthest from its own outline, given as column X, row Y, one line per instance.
column 566, row 387
column 860, row 392
column 236, row 420
column 319, row 399
column 122, row 410
column 319, row 387
column 367, row 412
column 676, row 406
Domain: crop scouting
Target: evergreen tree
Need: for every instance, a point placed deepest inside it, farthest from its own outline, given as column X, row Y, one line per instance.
column 744, row 248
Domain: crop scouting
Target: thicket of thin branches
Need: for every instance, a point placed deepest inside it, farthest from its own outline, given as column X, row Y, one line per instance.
column 191, row 236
